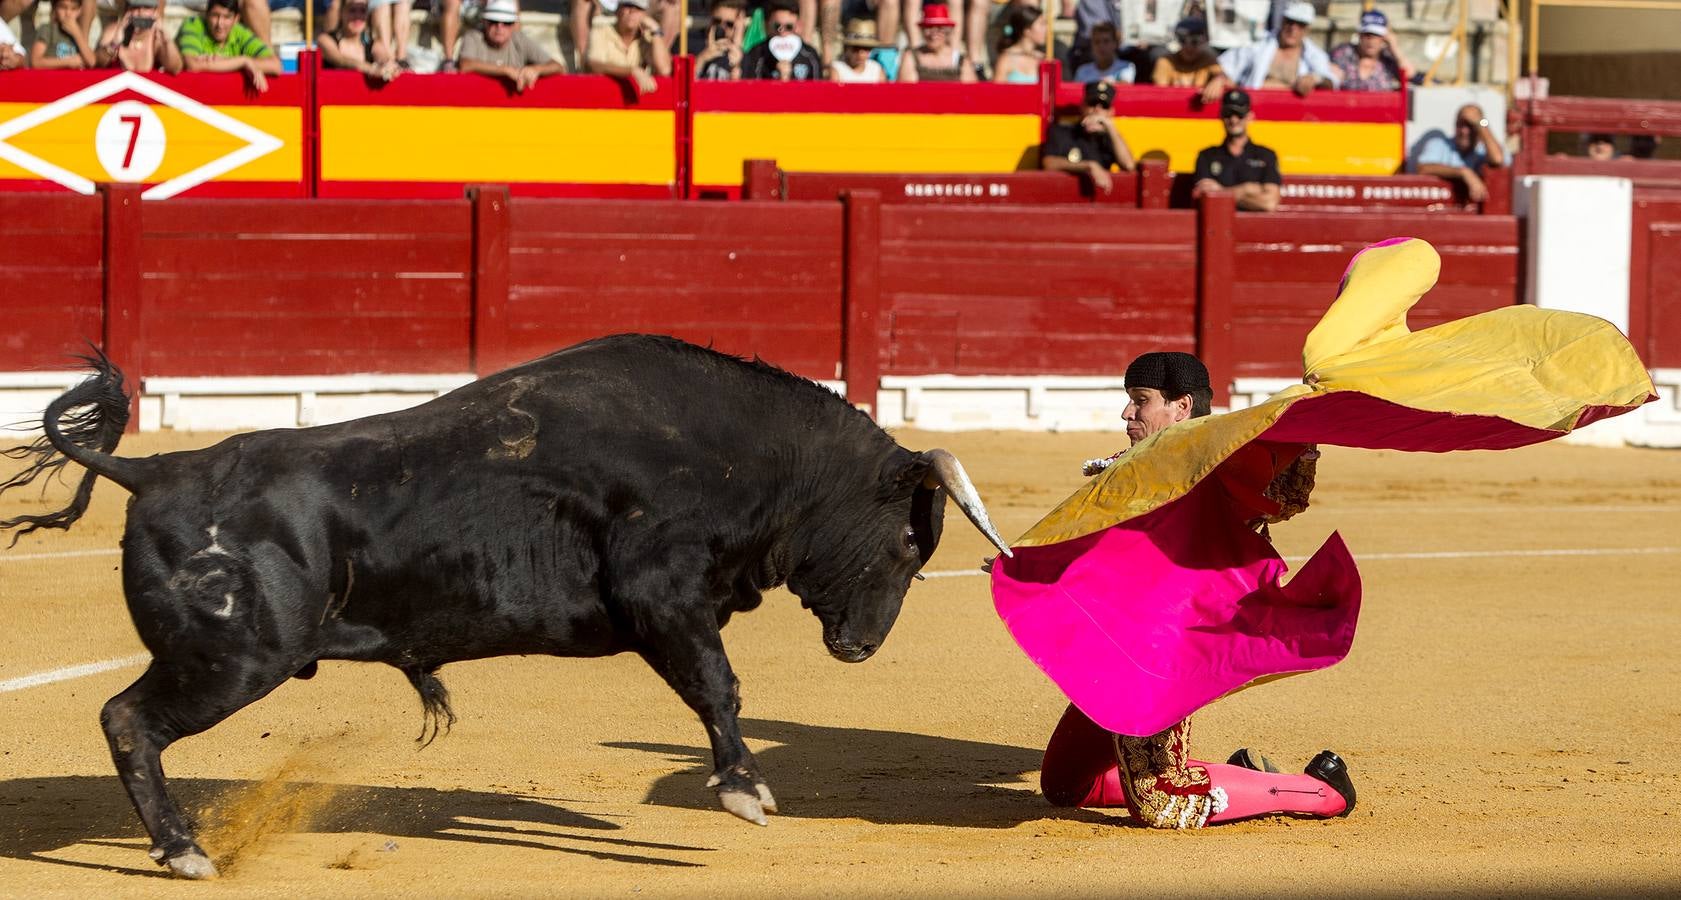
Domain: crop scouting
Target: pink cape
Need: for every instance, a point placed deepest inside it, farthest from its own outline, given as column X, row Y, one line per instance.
column 1144, row 622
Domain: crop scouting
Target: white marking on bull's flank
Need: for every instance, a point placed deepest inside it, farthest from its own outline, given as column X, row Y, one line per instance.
column 68, row 672
column 61, row 554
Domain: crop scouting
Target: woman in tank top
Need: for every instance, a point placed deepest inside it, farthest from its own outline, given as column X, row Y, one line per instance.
column 1021, row 46
column 352, row 45
column 938, row 59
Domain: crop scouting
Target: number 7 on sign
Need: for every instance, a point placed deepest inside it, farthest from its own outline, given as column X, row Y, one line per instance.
column 130, row 141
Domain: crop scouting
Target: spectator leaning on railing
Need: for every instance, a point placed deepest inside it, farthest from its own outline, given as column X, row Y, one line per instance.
column 1238, row 165
column 938, row 57
column 501, row 50
column 62, row 44
column 720, row 60
column 351, row 45
column 216, row 42
column 1091, row 147
column 1191, row 64
column 137, row 42
column 633, row 47
column 784, row 56
column 1373, row 61
column 1463, row 157
column 1287, row 58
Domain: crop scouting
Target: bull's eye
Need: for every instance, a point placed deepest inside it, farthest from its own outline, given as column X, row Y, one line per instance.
column 910, row 539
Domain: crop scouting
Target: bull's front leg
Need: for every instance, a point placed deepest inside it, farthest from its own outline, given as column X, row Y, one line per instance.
column 689, row 654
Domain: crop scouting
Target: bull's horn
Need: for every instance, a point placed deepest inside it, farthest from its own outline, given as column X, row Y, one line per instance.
column 946, row 472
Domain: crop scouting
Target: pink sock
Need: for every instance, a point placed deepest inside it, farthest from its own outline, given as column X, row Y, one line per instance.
column 1250, row 793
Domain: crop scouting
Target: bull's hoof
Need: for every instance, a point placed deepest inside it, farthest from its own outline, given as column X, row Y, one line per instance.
column 193, row 864
column 746, row 806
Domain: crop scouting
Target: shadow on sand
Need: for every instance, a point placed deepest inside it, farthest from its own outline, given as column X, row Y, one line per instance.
column 885, row 777
column 42, row 815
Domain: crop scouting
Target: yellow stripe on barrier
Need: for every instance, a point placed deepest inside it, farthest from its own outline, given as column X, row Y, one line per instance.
column 1303, row 148
column 446, row 143
column 70, row 142
column 862, row 142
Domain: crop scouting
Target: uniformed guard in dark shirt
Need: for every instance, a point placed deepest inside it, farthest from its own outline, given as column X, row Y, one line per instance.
column 1092, row 146
column 1240, row 166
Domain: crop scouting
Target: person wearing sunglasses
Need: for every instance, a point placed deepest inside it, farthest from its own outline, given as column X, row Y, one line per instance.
column 1092, row 147
column 721, row 58
column 1192, row 63
column 784, row 56
column 1238, row 165
column 501, row 50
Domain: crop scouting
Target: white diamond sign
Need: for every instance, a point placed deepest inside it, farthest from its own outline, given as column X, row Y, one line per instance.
column 130, row 139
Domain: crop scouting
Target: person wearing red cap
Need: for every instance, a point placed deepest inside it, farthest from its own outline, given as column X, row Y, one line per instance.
column 1154, row 776
column 937, row 57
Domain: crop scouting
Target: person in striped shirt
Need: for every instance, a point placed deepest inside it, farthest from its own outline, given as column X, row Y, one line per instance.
column 216, row 42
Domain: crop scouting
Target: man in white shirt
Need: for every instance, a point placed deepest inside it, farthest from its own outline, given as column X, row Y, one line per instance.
column 1287, row 58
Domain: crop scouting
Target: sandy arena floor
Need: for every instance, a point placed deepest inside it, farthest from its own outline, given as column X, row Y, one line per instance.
column 1511, row 713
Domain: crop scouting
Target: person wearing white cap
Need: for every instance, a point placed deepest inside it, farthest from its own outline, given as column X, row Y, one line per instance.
column 501, row 50
column 1373, row 62
column 634, row 47
column 1287, row 58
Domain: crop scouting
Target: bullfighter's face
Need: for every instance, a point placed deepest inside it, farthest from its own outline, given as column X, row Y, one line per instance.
column 855, row 578
column 1148, row 412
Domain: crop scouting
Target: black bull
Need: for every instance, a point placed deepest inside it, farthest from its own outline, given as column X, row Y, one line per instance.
column 627, row 494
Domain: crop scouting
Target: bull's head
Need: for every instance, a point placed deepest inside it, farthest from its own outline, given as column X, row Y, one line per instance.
column 861, row 560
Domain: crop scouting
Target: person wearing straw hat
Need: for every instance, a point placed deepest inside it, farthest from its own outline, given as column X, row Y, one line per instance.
column 937, row 58
column 854, row 66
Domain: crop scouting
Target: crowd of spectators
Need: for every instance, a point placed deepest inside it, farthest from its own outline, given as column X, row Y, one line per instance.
column 1115, row 43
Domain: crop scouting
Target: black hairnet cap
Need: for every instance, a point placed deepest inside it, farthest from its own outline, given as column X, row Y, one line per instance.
column 1174, row 374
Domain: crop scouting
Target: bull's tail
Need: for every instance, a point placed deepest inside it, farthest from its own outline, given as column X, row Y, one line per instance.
column 84, row 426
column 436, row 716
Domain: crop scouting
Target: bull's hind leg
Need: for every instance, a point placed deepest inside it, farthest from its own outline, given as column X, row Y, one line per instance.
column 169, row 702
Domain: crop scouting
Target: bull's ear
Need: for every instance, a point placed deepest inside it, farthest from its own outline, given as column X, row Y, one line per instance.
column 928, row 507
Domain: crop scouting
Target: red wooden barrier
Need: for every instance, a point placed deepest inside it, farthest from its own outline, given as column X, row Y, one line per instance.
column 828, row 290
column 50, row 249
column 239, row 287
column 1008, row 188
column 1654, row 273
column 745, row 277
column 1034, row 290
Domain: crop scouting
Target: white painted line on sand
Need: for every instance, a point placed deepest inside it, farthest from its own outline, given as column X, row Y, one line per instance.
column 1401, row 507
column 68, row 672
column 1440, row 554
column 61, row 554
